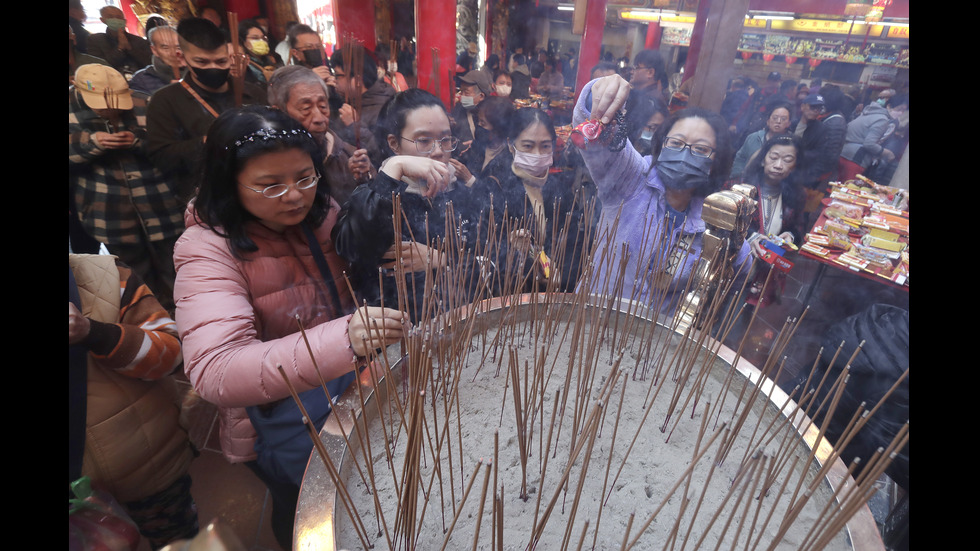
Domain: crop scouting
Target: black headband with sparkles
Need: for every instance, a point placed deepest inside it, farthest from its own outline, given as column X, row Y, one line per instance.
column 266, row 134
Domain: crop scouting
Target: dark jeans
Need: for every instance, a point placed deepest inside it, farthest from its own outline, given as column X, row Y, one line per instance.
column 153, row 261
column 168, row 515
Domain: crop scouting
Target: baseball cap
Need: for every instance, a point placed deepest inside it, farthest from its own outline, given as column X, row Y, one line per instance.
column 479, row 78
column 814, row 99
column 93, row 81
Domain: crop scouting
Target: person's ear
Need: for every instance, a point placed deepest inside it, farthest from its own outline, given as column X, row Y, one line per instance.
column 393, row 143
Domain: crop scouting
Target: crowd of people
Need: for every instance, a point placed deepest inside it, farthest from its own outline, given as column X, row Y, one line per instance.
column 246, row 207
column 844, row 132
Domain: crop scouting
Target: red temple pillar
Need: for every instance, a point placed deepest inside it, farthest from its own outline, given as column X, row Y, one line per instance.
column 355, row 17
column 132, row 22
column 697, row 39
column 435, row 30
column 654, row 32
column 595, row 22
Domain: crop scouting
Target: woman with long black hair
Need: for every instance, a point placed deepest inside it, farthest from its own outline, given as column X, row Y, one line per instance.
column 257, row 258
column 415, row 129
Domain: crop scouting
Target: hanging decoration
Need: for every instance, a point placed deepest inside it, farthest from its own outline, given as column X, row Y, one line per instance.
column 877, row 11
column 857, row 7
column 790, row 59
column 766, row 58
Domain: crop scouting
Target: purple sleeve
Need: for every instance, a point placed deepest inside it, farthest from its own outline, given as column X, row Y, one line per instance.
column 617, row 174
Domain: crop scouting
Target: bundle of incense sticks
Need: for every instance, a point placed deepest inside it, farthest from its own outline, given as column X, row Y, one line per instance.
column 435, row 85
column 239, row 60
column 393, row 51
column 352, row 53
column 565, row 362
column 112, row 109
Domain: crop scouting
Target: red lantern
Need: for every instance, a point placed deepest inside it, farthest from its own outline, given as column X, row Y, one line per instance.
column 790, row 59
column 766, row 58
column 746, row 56
column 814, row 62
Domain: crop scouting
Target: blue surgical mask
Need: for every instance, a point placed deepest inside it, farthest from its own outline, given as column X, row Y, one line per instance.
column 644, row 143
column 681, row 170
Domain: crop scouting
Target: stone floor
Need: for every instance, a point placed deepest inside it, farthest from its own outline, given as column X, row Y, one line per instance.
column 223, row 491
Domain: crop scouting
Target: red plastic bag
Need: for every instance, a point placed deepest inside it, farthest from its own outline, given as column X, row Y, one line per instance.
column 96, row 521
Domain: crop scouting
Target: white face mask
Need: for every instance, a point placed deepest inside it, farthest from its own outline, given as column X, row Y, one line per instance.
column 503, row 90
column 535, row 164
column 467, row 101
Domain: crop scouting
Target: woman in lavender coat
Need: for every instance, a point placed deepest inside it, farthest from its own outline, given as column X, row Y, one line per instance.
column 653, row 204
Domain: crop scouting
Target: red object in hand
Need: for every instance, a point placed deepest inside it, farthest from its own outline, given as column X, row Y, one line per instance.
column 97, row 522
column 586, row 132
column 777, row 261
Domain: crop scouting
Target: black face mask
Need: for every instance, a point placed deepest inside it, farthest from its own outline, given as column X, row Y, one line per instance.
column 313, row 58
column 481, row 135
column 335, row 100
column 212, row 78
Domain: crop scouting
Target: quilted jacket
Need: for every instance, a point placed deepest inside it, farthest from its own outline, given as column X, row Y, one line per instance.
column 134, row 444
column 237, row 320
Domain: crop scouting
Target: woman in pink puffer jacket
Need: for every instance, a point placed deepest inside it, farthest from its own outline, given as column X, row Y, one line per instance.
column 256, row 255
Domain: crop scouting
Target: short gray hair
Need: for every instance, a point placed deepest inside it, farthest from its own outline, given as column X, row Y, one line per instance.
column 161, row 28
column 285, row 78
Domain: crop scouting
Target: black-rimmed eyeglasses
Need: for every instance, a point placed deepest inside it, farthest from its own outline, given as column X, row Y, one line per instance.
column 697, row 149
